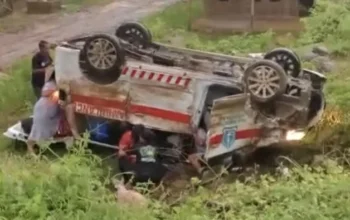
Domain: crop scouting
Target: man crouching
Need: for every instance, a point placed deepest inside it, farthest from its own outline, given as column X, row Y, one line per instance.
column 146, row 166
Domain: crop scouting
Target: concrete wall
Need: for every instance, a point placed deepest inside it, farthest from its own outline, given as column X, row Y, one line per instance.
column 241, row 8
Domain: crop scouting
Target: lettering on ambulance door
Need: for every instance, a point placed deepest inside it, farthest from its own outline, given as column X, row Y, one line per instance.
column 230, row 127
column 101, row 101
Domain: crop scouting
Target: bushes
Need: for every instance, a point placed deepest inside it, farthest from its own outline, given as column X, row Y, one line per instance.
column 171, row 25
column 329, row 23
column 306, row 194
column 74, row 187
column 38, row 189
column 69, row 187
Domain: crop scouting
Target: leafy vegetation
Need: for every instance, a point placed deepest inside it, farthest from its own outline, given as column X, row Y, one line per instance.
column 169, row 27
column 76, row 186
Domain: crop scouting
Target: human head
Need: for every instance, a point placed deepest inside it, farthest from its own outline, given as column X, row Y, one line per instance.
column 44, row 47
column 147, row 137
column 137, row 131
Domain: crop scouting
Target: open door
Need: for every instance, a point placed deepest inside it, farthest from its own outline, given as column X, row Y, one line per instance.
column 230, row 126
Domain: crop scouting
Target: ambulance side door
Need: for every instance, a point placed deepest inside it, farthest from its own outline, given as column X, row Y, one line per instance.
column 230, row 126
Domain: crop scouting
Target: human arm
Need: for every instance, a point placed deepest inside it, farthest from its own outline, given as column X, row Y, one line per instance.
column 47, row 93
column 122, row 152
column 124, row 143
column 48, row 89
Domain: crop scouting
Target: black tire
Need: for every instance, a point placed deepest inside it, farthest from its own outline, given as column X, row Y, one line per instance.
column 287, row 59
column 96, row 71
column 317, row 107
column 134, row 33
column 257, row 72
column 6, row 7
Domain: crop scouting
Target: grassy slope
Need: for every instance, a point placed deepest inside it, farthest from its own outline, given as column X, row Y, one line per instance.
column 71, row 187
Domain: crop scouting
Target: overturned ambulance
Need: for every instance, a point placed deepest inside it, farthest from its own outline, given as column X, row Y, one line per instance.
column 252, row 101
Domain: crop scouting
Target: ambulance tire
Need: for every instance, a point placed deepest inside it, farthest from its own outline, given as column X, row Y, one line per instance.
column 102, row 59
column 260, row 88
column 317, row 106
column 287, row 59
column 135, row 33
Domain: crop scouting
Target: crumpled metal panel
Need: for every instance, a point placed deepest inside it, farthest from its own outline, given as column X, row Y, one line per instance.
column 231, row 127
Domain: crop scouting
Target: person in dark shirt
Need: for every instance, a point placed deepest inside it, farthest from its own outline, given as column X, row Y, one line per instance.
column 40, row 61
column 146, row 165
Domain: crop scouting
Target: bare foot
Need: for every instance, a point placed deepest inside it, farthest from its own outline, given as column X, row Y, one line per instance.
column 32, row 155
column 30, row 150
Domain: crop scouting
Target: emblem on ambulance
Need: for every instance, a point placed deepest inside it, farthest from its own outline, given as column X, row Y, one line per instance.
column 229, row 137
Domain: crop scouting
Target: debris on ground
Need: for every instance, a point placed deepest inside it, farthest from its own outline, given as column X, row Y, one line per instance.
column 319, row 56
column 321, row 50
column 130, row 197
column 323, row 64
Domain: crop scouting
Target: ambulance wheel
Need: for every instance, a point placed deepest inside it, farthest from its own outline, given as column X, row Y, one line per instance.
column 102, row 59
column 265, row 80
column 135, row 34
column 287, row 59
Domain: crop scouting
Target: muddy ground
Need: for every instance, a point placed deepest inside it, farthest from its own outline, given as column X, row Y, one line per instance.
column 91, row 20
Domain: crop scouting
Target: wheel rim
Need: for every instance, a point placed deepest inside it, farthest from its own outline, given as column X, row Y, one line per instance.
column 286, row 62
column 102, row 54
column 134, row 32
column 264, row 82
column 133, row 36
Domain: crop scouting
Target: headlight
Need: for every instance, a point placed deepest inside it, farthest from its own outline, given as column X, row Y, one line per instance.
column 294, row 135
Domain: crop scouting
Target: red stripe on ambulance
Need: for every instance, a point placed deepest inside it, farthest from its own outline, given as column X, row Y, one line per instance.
column 116, row 109
column 140, row 74
column 240, row 134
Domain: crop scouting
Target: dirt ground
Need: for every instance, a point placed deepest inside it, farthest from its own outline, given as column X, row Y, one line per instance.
column 95, row 19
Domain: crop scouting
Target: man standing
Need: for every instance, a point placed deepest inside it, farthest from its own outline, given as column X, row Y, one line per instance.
column 40, row 61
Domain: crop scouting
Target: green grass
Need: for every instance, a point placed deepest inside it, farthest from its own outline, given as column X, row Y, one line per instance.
column 74, row 186
column 76, row 5
column 17, row 96
column 168, row 27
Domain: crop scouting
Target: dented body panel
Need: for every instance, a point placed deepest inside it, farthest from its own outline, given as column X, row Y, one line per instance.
column 230, row 126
